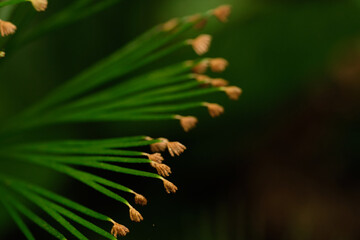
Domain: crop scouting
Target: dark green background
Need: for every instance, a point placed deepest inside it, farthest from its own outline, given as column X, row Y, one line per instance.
column 281, row 163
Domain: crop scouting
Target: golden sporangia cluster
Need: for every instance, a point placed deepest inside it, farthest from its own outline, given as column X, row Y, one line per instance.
column 201, row 45
column 156, row 161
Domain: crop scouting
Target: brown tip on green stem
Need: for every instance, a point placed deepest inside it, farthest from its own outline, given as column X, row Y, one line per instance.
column 218, row 64
column 156, row 157
column 219, row 82
column 170, row 25
column 159, row 146
column 169, row 186
column 7, row 28
column 187, row 122
column 214, row 109
column 162, row 169
column 135, row 216
column 201, row 44
column 201, row 67
column 119, row 229
column 175, row 148
column 233, row 92
column 222, row 13
column 39, row 5
column 140, row 199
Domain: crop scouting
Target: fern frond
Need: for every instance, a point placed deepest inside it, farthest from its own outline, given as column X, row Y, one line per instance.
column 160, row 94
column 124, row 61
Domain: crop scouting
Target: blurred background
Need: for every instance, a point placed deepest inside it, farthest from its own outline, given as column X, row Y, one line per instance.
column 281, row 163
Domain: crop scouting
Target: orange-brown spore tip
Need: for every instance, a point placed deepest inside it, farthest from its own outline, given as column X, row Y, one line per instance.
column 140, row 199
column 214, row 109
column 203, row 78
column 159, row 146
column 156, row 157
column 199, row 21
column 2, row 54
column 187, row 122
column 176, row 148
column 219, row 82
column 222, row 12
column 233, row 92
column 194, row 18
column 218, row 64
column 169, row 186
column 201, row 24
column 39, row 5
column 119, row 229
column 170, row 25
column 135, row 216
column 201, row 67
column 201, row 44
column 6, row 28
column 162, row 169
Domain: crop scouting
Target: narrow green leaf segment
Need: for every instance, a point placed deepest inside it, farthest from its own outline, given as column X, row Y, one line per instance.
column 54, row 197
column 38, row 196
column 15, row 215
column 11, row 2
column 12, row 200
column 57, row 212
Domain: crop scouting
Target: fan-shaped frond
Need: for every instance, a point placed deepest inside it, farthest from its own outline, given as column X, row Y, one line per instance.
column 106, row 92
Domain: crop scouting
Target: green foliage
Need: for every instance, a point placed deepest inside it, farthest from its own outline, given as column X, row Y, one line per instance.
column 96, row 94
